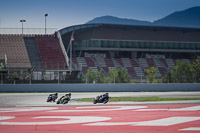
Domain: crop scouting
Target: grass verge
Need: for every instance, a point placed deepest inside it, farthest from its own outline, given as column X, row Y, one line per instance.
column 142, row 99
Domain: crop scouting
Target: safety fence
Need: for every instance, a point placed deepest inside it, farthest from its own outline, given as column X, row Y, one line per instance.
column 27, row 30
column 99, row 87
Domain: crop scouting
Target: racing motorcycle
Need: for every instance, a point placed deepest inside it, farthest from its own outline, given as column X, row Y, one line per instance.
column 101, row 99
column 64, row 100
column 52, row 97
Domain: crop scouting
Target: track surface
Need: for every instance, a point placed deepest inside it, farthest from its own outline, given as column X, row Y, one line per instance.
column 30, row 113
column 168, row 118
column 39, row 99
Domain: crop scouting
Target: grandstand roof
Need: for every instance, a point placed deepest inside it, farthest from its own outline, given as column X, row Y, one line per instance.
column 134, row 32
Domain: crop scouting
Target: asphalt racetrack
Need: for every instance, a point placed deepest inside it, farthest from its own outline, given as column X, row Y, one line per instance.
column 39, row 99
column 30, row 113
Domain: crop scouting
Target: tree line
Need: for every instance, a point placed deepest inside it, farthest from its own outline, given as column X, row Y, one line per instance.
column 182, row 72
column 115, row 75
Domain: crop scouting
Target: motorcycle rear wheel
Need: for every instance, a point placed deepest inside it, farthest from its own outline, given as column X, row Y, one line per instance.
column 65, row 101
column 105, row 101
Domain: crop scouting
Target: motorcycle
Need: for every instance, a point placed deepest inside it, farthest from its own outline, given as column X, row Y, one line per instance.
column 63, row 100
column 101, row 99
column 52, row 98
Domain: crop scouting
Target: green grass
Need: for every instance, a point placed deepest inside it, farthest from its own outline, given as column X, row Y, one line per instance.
column 141, row 99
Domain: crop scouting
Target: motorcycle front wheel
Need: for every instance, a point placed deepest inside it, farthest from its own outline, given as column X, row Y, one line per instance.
column 95, row 101
column 48, row 99
column 105, row 101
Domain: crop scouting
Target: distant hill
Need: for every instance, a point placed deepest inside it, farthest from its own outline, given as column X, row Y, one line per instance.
column 116, row 20
column 186, row 18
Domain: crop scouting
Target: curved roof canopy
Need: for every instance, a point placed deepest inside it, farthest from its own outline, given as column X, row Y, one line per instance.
column 77, row 27
column 85, row 26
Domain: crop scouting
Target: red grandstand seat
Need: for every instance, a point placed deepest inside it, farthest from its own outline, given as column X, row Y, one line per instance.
column 134, row 63
column 50, row 52
column 150, row 62
column 90, row 62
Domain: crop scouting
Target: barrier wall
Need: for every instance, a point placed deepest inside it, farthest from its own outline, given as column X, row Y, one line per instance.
column 98, row 87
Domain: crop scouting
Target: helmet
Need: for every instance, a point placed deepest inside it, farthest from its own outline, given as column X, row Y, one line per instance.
column 56, row 94
column 69, row 94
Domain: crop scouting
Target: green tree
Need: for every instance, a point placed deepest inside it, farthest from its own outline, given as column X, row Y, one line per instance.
column 195, row 68
column 101, row 76
column 24, row 75
column 2, row 67
column 118, row 75
column 89, row 76
column 111, row 76
column 180, row 73
column 94, row 76
column 151, row 74
column 123, row 76
column 13, row 76
column 167, row 78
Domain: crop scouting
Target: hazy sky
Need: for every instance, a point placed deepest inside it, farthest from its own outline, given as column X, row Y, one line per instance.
column 63, row 13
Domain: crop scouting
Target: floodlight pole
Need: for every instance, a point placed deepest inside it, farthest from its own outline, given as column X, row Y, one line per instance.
column 22, row 21
column 114, row 75
column 71, row 57
column 46, row 23
column 30, row 78
column 71, row 40
column 1, row 78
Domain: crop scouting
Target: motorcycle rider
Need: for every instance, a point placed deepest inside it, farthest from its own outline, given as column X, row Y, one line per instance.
column 106, row 95
column 54, row 96
column 101, row 99
column 68, row 96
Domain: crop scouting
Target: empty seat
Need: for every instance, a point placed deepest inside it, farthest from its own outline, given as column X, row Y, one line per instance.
column 14, row 48
column 50, row 52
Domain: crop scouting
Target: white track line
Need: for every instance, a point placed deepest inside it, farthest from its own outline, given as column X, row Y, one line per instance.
column 67, row 120
column 159, row 122
column 192, row 108
column 191, row 129
column 101, row 108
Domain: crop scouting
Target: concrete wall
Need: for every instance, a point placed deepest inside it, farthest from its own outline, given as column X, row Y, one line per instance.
column 97, row 87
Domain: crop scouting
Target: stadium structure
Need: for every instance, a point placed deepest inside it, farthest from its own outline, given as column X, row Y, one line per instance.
column 71, row 51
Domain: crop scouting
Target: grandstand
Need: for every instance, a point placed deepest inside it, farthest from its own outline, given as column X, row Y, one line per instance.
column 13, row 48
column 99, row 46
column 41, row 55
column 135, row 48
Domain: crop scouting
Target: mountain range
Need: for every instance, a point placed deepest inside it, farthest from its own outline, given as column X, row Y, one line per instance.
column 186, row 18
